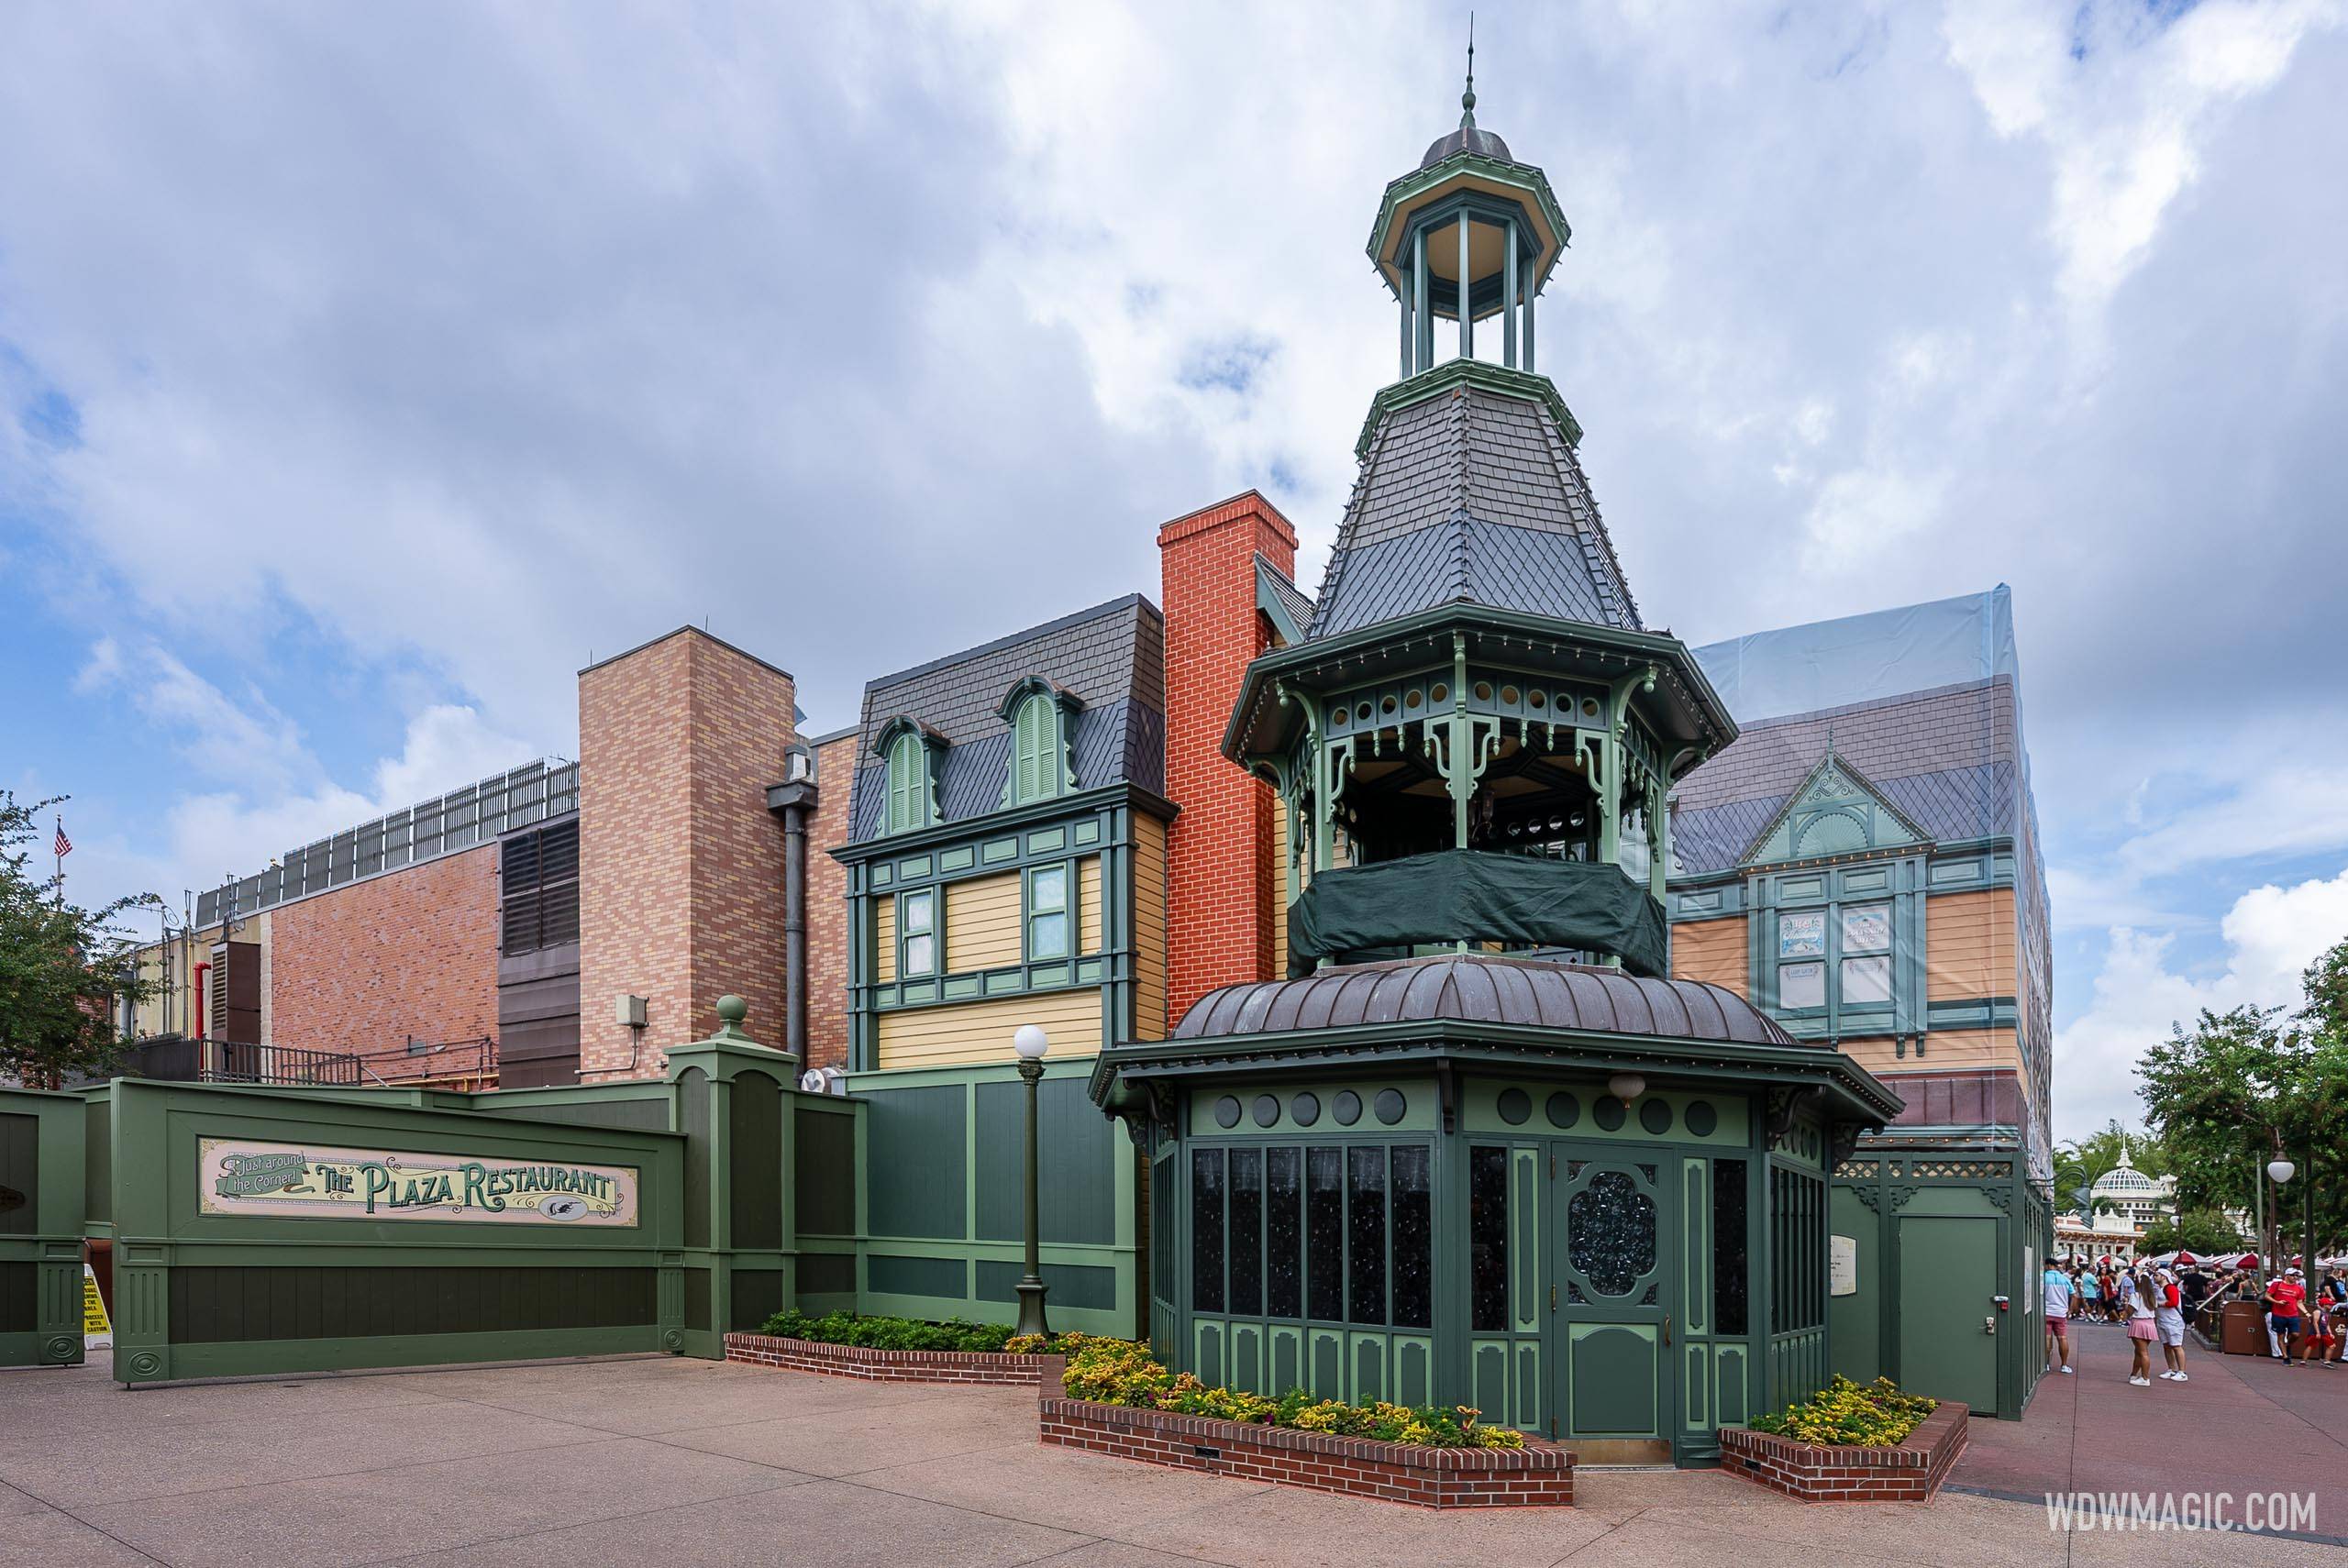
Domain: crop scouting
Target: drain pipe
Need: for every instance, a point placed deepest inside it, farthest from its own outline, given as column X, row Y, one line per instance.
column 794, row 800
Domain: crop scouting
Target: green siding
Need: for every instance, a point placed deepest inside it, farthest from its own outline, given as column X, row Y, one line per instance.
column 1080, row 1212
column 914, row 1174
column 1070, row 1285
column 754, row 1156
column 221, row 1305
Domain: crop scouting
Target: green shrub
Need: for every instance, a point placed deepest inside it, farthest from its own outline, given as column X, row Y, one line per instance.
column 1845, row 1414
column 1116, row 1372
column 912, row 1334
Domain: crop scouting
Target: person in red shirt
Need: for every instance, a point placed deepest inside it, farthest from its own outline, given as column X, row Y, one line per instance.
column 2284, row 1298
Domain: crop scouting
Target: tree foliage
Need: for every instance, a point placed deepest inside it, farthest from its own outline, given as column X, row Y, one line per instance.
column 62, row 967
column 2203, row 1232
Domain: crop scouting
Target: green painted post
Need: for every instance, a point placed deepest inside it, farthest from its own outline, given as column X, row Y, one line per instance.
column 1508, row 299
column 1467, row 324
column 1530, row 289
column 1031, row 1284
column 1422, row 323
column 1463, row 764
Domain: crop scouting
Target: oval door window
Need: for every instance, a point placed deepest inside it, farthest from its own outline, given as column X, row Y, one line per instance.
column 1611, row 1232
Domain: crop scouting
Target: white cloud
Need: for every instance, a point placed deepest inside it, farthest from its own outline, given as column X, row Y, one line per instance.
column 2271, row 934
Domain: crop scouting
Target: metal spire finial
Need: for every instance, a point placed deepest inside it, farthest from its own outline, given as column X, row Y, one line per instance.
column 1468, row 99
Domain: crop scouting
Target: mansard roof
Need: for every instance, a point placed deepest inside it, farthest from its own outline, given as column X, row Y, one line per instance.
column 1109, row 661
column 1471, row 493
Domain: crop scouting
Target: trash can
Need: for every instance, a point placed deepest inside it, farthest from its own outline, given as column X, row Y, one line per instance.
column 2244, row 1329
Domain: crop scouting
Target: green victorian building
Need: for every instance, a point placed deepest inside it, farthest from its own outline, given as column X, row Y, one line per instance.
column 1478, row 1147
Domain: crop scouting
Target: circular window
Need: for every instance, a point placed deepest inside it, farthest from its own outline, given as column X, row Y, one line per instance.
column 1536, row 700
column 1564, row 1109
column 1508, row 694
column 1701, row 1118
column 1608, row 1113
column 1226, row 1112
column 1345, row 1107
column 1305, row 1109
column 1412, row 698
column 1483, row 692
column 1590, row 707
column 1655, row 1117
column 1389, row 1106
column 1362, row 713
column 1439, row 693
column 1386, row 704
column 1337, row 720
column 1516, row 1106
column 1268, row 1109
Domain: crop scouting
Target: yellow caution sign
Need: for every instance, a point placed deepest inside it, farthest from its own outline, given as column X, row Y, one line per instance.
column 97, row 1327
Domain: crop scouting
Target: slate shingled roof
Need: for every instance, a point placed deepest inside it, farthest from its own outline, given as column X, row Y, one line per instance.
column 1945, row 757
column 1112, row 658
column 1477, row 497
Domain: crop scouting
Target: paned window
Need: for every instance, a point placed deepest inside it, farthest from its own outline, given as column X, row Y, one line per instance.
column 1048, row 912
column 1488, row 1238
column 1338, row 1233
column 1837, row 959
column 1731, row 1259
column 1206, row 1230
column 918, row 932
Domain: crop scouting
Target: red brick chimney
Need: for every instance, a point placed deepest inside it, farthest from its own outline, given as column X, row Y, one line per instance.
column 1220, row 871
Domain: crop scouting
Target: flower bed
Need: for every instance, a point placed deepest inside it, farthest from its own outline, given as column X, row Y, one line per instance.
column 1909, row 1469
column 899, row 1350
column 1112, row 1399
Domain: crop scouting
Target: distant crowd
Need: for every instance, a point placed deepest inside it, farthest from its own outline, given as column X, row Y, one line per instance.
column 2305, row 1322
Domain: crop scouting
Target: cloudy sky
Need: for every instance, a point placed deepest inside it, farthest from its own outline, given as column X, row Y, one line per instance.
column 366, row 371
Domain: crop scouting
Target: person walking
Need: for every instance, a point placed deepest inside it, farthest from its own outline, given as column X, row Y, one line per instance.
column 2057, row 1288
column 2169, row 1321
column 2136, row 1301
column 2091, row 1292
column 2284, row 1297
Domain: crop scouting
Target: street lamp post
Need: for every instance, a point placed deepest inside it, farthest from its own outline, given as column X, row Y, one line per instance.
column 2280, row 1172
column 1031, row 1042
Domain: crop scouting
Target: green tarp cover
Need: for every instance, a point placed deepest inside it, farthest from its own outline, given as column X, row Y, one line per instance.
column 1466, row 894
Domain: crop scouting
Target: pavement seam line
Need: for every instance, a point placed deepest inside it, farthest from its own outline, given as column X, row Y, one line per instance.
column 580, row 1524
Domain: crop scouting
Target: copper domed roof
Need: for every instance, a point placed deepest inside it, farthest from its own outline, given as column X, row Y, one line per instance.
column 1466, row 139
column 1474, row 988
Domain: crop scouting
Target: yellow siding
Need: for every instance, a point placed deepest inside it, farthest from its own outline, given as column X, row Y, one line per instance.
column 982, row 923
column 884, row 939
column 1943, row 1049
column 1087, row 905
column 967, row 1033
column 1712, row 950
column 1149, row 928
column 1282, row 894
column 1970, row 945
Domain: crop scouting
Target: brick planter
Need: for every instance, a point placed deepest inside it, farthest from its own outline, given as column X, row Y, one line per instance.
column 995, row 1369
column 1536, row 1474
column 1909, row 1472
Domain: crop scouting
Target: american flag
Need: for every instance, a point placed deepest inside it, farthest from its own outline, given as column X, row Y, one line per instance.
column 64, row 845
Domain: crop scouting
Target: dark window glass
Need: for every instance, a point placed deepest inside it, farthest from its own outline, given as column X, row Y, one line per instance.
column 1206, row 1230
column 1366, row 1226
column 1161, row 1230
column 1413, row 1239
column 1731, row 1259
column 1324, row 1233
column 1611, row 1234
column 1284, row 1274
column 1488, row 1237
column 1247, row 1231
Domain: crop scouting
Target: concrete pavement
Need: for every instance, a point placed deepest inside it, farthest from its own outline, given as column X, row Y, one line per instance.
column 684, row 1462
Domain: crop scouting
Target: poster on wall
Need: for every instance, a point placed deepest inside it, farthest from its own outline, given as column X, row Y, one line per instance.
column 1841, row 1265
column 299, row 1182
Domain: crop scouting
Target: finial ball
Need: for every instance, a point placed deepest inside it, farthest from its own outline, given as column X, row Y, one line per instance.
column 733, row 1008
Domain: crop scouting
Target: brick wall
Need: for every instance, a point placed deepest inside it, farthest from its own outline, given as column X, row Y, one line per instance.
column 680, row 863
column 993, row 1369
column 1219, row 869
column 827, row 906
column 1908, row 1471
column 413, row 952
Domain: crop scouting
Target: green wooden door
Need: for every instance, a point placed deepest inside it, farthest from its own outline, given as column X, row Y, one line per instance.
column 1948, row 1309
column 1611, row 1256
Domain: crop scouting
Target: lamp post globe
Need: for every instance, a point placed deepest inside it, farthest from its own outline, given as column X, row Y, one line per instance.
column 2281, row 1171
column 1028, row 1045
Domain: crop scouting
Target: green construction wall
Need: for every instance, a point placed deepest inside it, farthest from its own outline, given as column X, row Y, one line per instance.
column 42, row 1168
column 940, row 1153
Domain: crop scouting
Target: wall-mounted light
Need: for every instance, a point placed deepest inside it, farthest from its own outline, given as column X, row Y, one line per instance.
column 1627, row 1087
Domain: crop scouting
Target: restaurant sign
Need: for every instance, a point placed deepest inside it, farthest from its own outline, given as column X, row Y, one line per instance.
column 285, row 1180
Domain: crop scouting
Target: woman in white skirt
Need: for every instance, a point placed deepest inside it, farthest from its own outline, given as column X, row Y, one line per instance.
column 2169, row 1321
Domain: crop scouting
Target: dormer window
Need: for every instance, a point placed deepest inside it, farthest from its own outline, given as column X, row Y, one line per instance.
column 911, row 752
column 1039, row 715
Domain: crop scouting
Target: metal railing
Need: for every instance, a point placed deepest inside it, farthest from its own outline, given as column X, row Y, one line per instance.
column 181, row 1060
column 439, row 1059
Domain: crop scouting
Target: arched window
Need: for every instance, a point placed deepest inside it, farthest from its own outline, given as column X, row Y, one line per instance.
column 1038, row 714
column 910, row 752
